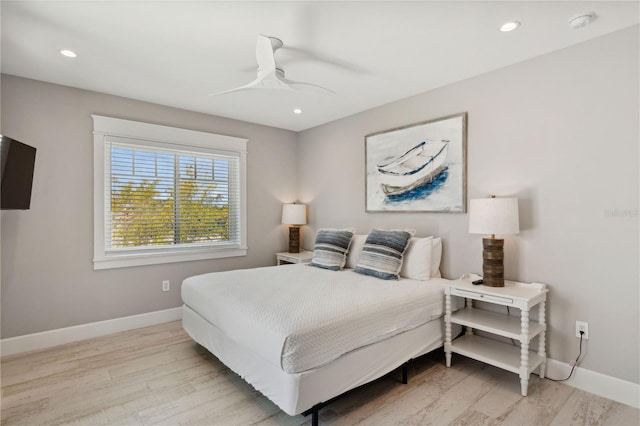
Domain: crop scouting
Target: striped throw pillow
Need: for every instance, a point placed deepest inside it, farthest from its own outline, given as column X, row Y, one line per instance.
column 331, row 247
column 382, row 254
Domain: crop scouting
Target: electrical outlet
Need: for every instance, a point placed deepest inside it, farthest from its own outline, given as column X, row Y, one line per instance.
column 166, row 285
column 584, row 327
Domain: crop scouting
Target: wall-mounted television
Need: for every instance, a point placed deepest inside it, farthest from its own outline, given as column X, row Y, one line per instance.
column 16, row 168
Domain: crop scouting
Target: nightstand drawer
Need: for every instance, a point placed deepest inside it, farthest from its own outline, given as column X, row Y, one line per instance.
column 481, row 296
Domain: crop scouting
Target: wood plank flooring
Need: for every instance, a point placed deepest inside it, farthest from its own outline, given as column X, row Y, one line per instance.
column 159, row 376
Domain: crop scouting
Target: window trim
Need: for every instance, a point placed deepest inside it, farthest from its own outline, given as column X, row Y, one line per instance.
column 104, row 127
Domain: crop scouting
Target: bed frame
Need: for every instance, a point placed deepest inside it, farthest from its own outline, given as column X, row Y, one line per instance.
column 309, row 391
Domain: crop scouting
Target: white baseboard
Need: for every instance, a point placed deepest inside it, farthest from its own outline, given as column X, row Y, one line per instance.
column 47, row 339
column 599, row 384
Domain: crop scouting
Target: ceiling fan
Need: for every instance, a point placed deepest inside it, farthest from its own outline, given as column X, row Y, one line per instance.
column 272, row 77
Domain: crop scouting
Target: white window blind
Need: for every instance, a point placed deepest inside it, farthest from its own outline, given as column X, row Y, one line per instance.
column 178, row 199
column 169, row 197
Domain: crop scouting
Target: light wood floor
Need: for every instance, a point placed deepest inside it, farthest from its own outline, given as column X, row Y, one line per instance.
column 157, row 375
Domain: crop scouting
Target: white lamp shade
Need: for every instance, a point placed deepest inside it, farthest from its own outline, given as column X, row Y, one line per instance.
column 294, row 214
column 494, row 216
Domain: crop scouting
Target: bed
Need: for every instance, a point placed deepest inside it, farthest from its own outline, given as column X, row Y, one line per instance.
column 303, row 335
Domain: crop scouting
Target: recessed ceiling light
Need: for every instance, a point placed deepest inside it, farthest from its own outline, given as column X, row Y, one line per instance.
column 297, row 111
column 68, row 53
column 509, row 26
column 582, row 20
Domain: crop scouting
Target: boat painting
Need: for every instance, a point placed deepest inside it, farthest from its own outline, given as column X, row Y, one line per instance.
column 418, row 168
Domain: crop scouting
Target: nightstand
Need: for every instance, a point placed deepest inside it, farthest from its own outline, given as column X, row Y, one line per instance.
column 285, row 258
column 512, row 358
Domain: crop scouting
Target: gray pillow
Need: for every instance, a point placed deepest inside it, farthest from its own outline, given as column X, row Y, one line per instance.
column 331, row 247
column 382, row 254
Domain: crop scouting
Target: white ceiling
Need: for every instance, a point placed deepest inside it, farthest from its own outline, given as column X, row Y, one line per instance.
column 369, row 53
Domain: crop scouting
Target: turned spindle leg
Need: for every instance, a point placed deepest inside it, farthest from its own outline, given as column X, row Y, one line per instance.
column 468, row 304
column 447, row 327
column 524, row 352
column 541, row 341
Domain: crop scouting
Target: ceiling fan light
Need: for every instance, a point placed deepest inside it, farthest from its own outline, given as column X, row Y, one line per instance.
column 509, row 26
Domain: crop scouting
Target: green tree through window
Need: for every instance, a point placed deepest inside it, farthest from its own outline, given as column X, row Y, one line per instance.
column 160, row 198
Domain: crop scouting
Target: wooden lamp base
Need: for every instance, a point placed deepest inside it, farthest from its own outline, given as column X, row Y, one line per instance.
column 294, row 239
column 493, row 262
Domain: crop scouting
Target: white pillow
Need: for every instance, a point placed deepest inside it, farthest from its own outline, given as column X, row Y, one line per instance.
column 436, row 256
column 357, row 242
column 417, row 261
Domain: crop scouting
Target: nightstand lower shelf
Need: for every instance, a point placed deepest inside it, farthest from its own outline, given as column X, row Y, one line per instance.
column 495, row 323
column 495, row 353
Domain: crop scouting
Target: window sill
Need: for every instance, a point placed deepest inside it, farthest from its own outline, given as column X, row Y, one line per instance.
column 128, row 260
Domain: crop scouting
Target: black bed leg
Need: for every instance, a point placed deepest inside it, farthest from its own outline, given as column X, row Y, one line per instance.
column 314, row 411
column 405, row 380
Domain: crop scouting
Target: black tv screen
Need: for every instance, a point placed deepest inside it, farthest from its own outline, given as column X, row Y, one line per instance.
column 16, row 169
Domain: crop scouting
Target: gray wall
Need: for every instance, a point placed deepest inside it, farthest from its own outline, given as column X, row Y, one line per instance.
column 48, row 280
column 559, row 132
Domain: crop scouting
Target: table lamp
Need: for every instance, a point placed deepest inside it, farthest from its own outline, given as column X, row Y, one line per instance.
column 493, row 216
column 294, row 215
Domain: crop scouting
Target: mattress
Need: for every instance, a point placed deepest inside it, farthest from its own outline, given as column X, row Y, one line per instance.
column 298, row 317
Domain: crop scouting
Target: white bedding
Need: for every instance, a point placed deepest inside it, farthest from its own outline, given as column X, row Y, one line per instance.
column 299, row 317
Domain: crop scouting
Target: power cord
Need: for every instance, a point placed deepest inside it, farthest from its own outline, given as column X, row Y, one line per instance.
column 573, row 364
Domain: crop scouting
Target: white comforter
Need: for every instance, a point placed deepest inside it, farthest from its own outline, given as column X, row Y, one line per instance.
column 300, row 317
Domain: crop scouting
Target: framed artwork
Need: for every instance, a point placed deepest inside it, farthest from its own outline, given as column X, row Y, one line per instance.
column 418, row 168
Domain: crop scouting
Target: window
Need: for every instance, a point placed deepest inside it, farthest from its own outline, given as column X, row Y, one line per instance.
column 164, row 194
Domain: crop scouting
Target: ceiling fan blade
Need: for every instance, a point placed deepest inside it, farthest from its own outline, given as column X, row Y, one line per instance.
column 305, row 55
column 249, row 86
column 308, row 88
column 265, row 55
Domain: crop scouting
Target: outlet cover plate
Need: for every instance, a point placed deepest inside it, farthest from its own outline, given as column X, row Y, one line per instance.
column 584, row 326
